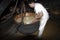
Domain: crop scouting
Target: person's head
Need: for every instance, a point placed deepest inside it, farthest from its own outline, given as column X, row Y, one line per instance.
column 31, row 3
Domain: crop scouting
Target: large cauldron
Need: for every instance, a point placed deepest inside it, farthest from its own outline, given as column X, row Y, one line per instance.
column 27, row 26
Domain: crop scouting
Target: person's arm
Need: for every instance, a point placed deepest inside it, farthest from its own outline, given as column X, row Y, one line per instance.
column 37, row 17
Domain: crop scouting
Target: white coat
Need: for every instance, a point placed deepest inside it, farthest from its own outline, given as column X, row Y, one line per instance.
column 39, row 8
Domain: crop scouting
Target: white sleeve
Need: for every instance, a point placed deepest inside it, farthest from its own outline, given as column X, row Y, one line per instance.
column 37, row 8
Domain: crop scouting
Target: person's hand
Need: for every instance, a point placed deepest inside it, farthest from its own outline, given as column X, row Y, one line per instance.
column 37, row 17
